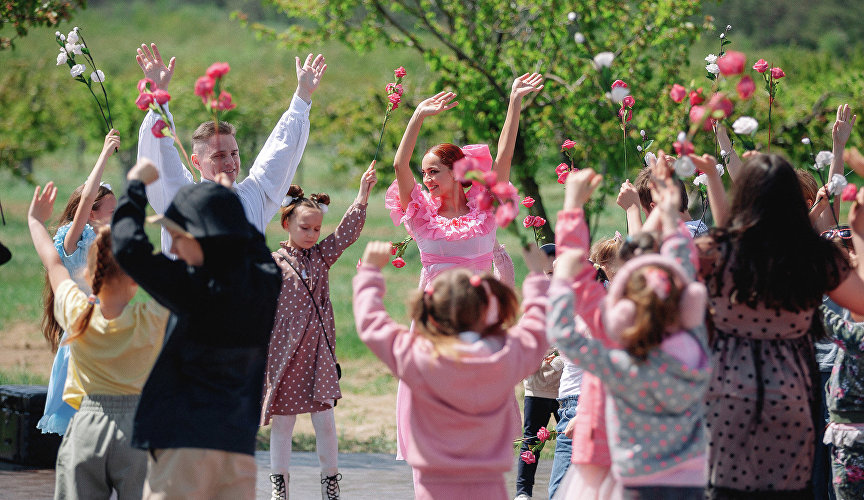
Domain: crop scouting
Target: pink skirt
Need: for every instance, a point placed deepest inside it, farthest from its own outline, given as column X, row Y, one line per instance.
column 589, row 482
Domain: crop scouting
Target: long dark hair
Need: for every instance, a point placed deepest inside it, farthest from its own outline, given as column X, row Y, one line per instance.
column 776, row 258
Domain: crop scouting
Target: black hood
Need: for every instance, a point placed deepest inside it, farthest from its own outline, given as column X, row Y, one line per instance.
column 209, row 210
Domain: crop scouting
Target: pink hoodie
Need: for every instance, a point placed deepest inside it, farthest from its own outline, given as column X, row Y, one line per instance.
column 463, row 412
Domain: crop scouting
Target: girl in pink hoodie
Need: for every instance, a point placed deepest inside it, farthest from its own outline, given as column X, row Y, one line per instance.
column 460, row 365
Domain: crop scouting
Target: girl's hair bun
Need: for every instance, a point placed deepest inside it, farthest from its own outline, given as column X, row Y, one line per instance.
column 320, row 198
column 295, row 191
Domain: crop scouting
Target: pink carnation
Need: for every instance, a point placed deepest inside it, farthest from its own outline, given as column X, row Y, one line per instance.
column 462, row 166
column 144, row 83
column 485, row 200
column 696, row 97
column 539, row 221
column 732, row 63
column 561, row 168
column 745, row 87
column 528, row 221
column 144, row 101
column 849, row 192
column 619, row 83
column 218, row 70
column 528, row 202
column 398, row 262
column 224, row 103
column 161, row 96
column 204, row 87
column 625, row 114
column 490, row 178
column 678, row 93
column 158, row 127
column 527, row 457
column 567, row 144
column 400, row 72
column 562, row 177
column 628, row 101
column 777, row 73
column 543, row 434
column 504, row 190
column 683, row 148
column 505, row 214
column 761, row 65
column 395, row 98
column 696, row 115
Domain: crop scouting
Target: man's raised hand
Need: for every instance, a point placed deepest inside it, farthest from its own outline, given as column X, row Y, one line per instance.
column 309, row 76
column 153, row 67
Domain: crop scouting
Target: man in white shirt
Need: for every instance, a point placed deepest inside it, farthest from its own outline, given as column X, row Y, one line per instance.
column 262, row 191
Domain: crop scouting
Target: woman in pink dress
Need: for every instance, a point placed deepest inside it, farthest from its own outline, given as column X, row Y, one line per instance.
column 448, row 222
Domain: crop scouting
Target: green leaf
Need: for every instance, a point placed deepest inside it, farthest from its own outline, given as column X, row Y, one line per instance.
column 85, row 50
column 647, row 145
column 711, row 76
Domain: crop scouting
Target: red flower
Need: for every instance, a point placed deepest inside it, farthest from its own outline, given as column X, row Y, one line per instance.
column 224, row 103
column 567, row 144
column 849, row 192
column 400, row 72
column 777, row 73
column 158, row 127
column 398, row 262
column 732, row 63
column 527, row 457
column 561, row 168
column 204, row 87
column 683, row 148
column 505, row 214
column 490, row 178
column 144, row 101
column 528, row 202
column 161, row 96
column 218, row 70
column 485, row 200
column 543, row 434
column 696, row 97
column 696, row 115
column 628, row 101
column 721, row 102
column 392, row 248
column 745, row 87
column 143, row 84
column 678, row 93
column 562, row 177
column 619, row 83
column 761, row 65
column 539, row 221
column 625, row 114
column 394, row 98
column 529, row 221
column 503, row 190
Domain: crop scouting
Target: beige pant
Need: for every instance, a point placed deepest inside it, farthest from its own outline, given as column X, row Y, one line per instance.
column 199, row 473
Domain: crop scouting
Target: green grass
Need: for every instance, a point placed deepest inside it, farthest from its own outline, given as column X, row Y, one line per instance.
column 17, row 376
column 378, row 443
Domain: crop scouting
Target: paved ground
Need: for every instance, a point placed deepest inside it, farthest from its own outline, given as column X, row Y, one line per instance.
column 363, row 476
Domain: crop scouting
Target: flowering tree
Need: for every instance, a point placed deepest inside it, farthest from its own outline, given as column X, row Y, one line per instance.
column 22, row 15
column 476, row 48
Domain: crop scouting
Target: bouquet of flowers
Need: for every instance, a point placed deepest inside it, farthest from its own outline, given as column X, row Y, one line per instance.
column 73, row 45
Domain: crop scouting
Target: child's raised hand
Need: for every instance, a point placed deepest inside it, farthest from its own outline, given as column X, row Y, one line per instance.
column 526, row 84
column 439, row 102
column 43, row 203
column 143, row 171
column 843, row 126
column 377, row 253
column 579, row 187
column 569, row 264
column 367, row 182
column 627, row 195
column 535, row 259
column 112, row 142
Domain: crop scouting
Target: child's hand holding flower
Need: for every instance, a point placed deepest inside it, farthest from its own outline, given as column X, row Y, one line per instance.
column 377, row 253
column 112, row 142
column 579, row 187
column 367, row 181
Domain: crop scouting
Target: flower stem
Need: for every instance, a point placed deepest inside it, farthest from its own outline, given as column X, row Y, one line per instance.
column 381, row 135
column 102, row 111
column 89, row 56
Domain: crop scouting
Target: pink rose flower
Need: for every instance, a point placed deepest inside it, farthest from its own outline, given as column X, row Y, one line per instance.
column 543, row 434
column 224, row 102
column 721, row 102
column 144, row 101
column 561, row 168
column 505, row 214
column 528, row 221
column 504, row 190
column 218, row 70
column 400, row 72
column 527, row 457
column 539, row 221
column 144, row 83
column 619, row 83
column 696, row 97
column 204, row 87
column 485, row 200
column 562, row 177
column 745, row 87
column 777, row 73
column 696, row 115
column 567, row 144
column 732, row 63
column 462, row 166
column 683, row 148
column 158, row 127
column 849, row 192
column 628, row 101
column 761, row 65
column 625, row 114
column 528, row 202
column 161, row 96
column 678, row 93
column 398, row 262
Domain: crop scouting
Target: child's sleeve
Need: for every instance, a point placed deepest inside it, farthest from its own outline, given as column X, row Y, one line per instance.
column 571, row 231
column 69, row 303
column 849, row 336
column 345, row 235
column 388, row 340
column 680, row 247
column 530, row 331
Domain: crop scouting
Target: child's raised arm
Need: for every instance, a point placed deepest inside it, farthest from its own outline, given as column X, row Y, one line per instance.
column 522, row 86
column 367, row 182
column 441, row 101
column 840, row 133
column 628, row 199
column 716, row 192
column 89, row 193
column 726, row 145
column 40, row 211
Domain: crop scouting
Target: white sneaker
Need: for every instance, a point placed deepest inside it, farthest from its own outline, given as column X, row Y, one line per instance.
column 522, row 496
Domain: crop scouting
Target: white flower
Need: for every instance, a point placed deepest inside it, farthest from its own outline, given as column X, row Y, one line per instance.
column 578, row 37
column 836, row 184
column 73, row 48
column 720, row 169
column 61, row 58
column 723, row 153
column 75, row 29
column 701, row 179
column 650, row 158
column 639, row 148
column 713, row 68
column 97, row 76
column 684, row 167
column 72, row 37
column 77, row 70
column 603, row 60
column 710, row 58
column 722, row 35
column 619, row 93
column 805, row 140
column 824, row 158
column 62, row 37
column 642, row 133
column 57, row 34
column 572, row 16
column 745, row 125
column 682, row 137
column 728, row 27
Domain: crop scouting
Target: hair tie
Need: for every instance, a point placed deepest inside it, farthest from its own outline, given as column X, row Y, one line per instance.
column 91, row 299
column 658, row 281
column 429, row 289
column 323, row 208
column 287, row 200
column 106, row 186
column 618, row 236
column 476, row 280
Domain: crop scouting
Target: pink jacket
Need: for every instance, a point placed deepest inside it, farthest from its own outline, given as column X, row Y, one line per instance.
column 590, row 445
column 463, row 415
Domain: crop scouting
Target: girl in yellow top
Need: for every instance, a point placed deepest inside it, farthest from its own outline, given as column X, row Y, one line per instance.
column 113, row 347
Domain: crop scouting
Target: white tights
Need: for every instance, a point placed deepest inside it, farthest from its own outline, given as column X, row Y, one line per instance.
column 326, row 442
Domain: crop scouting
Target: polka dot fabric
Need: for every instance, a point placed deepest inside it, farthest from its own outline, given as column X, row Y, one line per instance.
column 301, row 371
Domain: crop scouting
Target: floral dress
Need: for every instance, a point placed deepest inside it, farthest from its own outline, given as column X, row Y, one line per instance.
column 301, row 367
column 58, row 413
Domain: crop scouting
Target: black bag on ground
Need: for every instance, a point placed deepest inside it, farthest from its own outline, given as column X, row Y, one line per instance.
column 21, row 407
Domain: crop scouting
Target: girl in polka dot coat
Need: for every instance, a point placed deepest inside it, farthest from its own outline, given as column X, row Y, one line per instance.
column 657, row 378
column 301, row 363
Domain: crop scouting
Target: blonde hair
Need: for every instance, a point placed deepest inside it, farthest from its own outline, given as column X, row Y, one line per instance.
column 654, row 314
column 604, row 253
column 452, row 304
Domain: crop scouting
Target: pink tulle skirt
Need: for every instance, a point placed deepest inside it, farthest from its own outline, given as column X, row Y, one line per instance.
column 588, row 482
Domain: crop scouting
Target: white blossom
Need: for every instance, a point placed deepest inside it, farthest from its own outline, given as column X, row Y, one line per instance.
column 72, row 37
column 684, row 167
column 57, row 34
column 62, row 37
column 619, row 93
column 728, row 27
column 723, row 153
column 823, row 158
column 720, row 169
column 710, row 58
column 77, row 70
column 713, row 68
column 836, row 184
column 642, row 133
column 75, row 29
column 805, row 140
column 97, row 76
column 745, row 125
column 73, row 48
column 722, row 35
column 639, row 148
column 572, row 16
column 603, row 60
column 650, row 158
column 578, row 37
column 701, row 179
column 682, row 137
column 61, row 58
